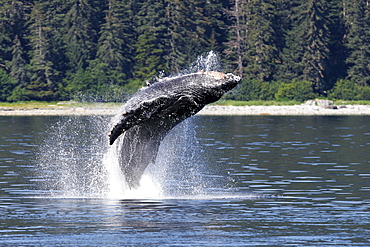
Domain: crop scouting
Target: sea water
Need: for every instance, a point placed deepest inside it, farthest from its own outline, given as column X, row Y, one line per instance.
column 217, row 181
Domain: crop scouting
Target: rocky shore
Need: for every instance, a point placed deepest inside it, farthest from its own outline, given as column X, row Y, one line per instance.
column 309, row 108
column 294, row 110
column 62, row 111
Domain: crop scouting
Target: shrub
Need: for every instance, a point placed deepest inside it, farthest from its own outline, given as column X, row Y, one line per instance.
column 96, row 83
column 364, row 93
column 7, row 84
column 344, row 90
column 296, row 90
column 253, row 90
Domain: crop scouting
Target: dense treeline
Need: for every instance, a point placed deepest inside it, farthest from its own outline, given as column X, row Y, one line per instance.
column 106, row 49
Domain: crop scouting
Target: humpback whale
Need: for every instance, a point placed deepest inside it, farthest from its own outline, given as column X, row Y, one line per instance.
column 152, row 112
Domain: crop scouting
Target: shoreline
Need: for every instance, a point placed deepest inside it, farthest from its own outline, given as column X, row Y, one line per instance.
column 292, row 110
column 209, row 110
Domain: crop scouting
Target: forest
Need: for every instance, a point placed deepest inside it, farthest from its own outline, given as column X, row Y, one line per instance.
column 104, row 50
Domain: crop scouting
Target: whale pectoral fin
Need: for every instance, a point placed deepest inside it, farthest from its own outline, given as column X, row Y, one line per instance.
column 115, row 133
column 139, row 115
column 184, row 107
column 152, row 107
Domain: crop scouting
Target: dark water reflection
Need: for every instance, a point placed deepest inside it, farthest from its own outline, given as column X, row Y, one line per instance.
column 274, row 181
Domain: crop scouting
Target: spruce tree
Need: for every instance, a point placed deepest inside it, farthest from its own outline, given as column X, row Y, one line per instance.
column 187, row 24
column 7, row 84
column 5, row 34
column 236, row 44
column 175, row 15
column 13, row 28
column 261, row 51
column 357, row 18
column 78, row 34
column 215, row 25
column 306, row 52
column 42, row 85
column 151, row 42
column 18, row 63
column 115, row 41
column 337, row 67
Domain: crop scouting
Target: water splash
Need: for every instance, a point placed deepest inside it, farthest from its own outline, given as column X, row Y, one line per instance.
column 208, row 62
column 70, row 158
column 76, row 160
column 116, row 185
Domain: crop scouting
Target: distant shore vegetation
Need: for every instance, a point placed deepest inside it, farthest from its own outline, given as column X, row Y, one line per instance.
column 45, row 105
column 104, row 50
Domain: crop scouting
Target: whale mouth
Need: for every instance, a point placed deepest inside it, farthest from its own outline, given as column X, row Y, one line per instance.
column 213, row 74
column 219, row 75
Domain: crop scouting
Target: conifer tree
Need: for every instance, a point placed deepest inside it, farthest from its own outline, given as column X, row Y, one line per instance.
column 55, row 12
column 18, row 63
column 306, row 53
column 40, row 36
column 261, row 52
column 5, row 34
column 7, row 84
column 186, row 31
column 78, row 33
column 236, row 44
column 175, row 15
column 215, row 25
column 337, row 67
column 357, row 18
column 115, row 41
column 51, row 49
column 13, row 27
column 151, row 42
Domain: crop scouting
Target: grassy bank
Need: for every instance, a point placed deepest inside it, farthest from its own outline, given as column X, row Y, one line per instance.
column 284, row 103
column 352, row 102
column 29, row 105
column 255, row 102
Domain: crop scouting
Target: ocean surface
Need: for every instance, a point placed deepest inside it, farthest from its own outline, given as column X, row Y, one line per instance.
column 217, row 181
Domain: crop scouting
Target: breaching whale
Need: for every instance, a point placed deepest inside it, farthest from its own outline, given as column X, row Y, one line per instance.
column 152, row 112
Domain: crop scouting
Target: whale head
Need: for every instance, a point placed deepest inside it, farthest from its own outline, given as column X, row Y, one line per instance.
column 173, row 99
column 150, row 114
column 212, row 85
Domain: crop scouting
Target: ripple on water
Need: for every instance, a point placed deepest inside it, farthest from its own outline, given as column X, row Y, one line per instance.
column 239, row 181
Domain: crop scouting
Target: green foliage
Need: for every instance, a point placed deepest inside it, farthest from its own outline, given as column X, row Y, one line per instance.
column 7, row 85
column 250, row 90
column 18, row 64
column 148, row 58
column 306, row 52
column 40, row 91
column 18, row 94
column 364, row 93
column 105, row 86
column 106, row 50
column 261, row 46
column 349, row 90
column 116, row 37
column 79, row 35
column 254, row 90
column 257, row 102
column 357, row 19
column 343, row 89
column 296, row 90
